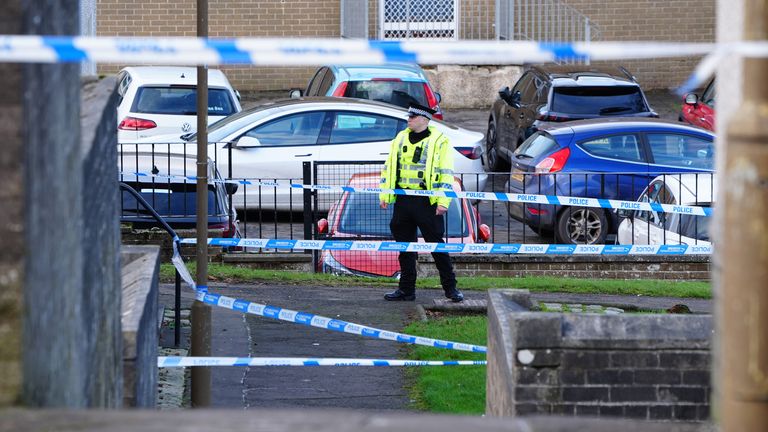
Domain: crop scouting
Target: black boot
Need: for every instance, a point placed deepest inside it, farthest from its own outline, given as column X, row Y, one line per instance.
column 455, row 295
column 398, row 295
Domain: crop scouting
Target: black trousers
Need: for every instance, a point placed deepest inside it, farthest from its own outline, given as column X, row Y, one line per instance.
column 410, row 213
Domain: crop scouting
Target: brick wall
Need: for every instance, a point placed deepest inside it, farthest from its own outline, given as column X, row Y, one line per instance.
column 620, row 20
column 653, row 20
column 653, row 367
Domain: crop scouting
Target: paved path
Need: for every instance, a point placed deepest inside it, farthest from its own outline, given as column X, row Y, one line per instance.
column 235, row 334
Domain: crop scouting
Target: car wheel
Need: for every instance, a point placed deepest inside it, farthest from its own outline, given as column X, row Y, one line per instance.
column 495, row 164
column 581, row 225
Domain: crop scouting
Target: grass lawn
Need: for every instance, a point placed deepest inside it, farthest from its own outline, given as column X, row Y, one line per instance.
column 449, row 389
column 652, row 288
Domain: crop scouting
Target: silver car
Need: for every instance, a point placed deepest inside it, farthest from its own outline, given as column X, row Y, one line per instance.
column 271, row 141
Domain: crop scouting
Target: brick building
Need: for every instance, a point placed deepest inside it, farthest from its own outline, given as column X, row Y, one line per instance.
column 617, row 20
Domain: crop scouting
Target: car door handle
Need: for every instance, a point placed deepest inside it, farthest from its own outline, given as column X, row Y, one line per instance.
column 304, row 155
column 384, row 154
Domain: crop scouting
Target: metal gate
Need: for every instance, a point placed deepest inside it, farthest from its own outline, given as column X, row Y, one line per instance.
column 419, row 19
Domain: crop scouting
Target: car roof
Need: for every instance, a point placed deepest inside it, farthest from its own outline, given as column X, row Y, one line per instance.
column 619, row 124
column 404, row 71
column 581, row 75
column 148, row 75
column 691, row 189
column 173, row 164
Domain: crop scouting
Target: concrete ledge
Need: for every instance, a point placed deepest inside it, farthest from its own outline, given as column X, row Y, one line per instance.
column 451, row 81
column 311, row 419
column 140, row 272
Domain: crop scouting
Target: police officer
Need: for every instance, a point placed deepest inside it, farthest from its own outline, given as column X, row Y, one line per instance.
column 420, row 158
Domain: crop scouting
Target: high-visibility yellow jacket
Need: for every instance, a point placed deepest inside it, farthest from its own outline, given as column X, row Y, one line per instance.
column 433, row 171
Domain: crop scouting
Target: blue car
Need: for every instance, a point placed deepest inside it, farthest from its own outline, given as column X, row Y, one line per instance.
column 611, row 159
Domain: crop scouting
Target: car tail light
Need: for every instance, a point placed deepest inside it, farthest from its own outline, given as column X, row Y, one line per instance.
column 432, row 101
column 322, row 226
column 549, row 117
column 136, row 124
column 484, row 232
column 536, row 211
column 470, row 152
column 341, row 89
column 554, row 162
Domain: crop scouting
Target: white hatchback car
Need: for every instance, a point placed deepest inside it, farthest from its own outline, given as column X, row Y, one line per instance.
column 272, row 141
column 157, row 100
column 657, row 228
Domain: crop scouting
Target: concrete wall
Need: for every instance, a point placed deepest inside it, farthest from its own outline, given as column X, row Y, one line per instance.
column 623, row 20
column 62, row 227
column 12, row 224
column 653, row 367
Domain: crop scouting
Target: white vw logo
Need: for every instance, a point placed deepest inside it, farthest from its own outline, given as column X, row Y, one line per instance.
column 186, row 127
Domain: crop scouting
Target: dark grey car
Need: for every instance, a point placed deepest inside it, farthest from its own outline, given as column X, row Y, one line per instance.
column 557, row 94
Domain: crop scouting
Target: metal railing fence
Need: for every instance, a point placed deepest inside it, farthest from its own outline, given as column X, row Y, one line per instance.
column 293, row 213
column 543, row 21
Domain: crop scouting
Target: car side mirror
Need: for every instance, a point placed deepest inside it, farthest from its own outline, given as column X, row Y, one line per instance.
column 691, row 99
column 246, row 141
column 439, row 97
column 505, row 94
column 484, row 232
column 516, row 97
column 230, row 188
column 295, row 93
column 624, row 213
column 322, row 226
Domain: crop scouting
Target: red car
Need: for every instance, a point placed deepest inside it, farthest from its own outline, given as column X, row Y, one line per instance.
column 358, row 216
column 700, row 111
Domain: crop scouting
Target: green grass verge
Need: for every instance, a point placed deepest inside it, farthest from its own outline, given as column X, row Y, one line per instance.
column 651, row 288
column 449, row 389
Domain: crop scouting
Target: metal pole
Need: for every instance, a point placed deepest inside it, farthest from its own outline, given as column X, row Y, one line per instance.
column 201, row 314
column 177, row 314
column 741, row 266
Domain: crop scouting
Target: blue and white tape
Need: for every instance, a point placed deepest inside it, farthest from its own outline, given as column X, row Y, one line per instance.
column 481, row 196
column 467, row 248
column 315, row 52
column 295, row 361
column 319, row 321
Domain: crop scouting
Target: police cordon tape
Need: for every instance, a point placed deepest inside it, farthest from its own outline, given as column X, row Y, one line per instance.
column 309, row 319
column 470, row 248
column 480, row 196
column 173, row 361
column 317, row 52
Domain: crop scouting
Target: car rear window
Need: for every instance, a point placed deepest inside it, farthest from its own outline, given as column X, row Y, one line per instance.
column 536, row 145
column 174, row 200
column 602, row 101
column 395, row 92
column 363, row 216
column 180, row 101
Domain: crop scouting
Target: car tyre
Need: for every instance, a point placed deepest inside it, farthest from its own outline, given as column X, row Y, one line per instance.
column 495, row 163
column 581, row 225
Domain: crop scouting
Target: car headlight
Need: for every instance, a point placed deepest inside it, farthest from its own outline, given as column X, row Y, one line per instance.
column 330, row 265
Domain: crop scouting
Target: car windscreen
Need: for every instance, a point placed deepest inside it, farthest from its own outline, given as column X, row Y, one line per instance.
column 537, row 145
column 180, row 100
column 362, row 215
column 395, row 92
column 598, row 100
column 169, row 200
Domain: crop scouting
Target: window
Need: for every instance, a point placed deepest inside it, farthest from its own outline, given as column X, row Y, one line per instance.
column 122, row 88
column 598, row 101
column 314, row 84
column 621, row 147
column 709, row 94
column 683, row 151
column 395, row 92
column 181, row 101
column 537, row 145
column 296, row 129
column 351, row 127
column 325, row 85
column 523, row 84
